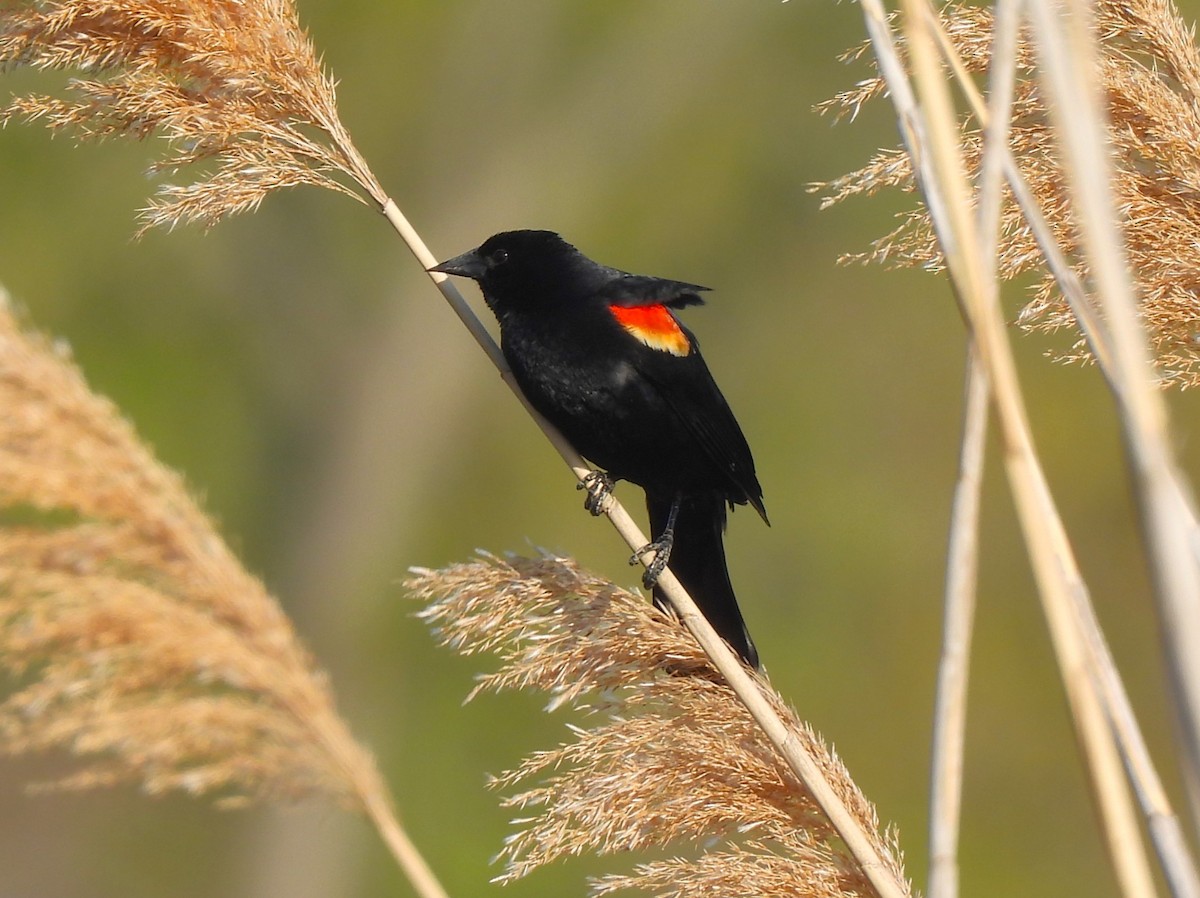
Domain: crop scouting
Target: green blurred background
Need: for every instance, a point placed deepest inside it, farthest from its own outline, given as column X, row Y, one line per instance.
column 342, row 426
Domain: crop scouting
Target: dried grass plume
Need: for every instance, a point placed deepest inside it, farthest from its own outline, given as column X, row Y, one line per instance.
column 669, row 757
column 136, row 640
column 1150, row 71
column 234, row 87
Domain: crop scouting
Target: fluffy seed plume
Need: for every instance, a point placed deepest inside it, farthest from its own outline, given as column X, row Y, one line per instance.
column 234, row 87
column 670, row 758
column 1150, row 71
column 132, row 636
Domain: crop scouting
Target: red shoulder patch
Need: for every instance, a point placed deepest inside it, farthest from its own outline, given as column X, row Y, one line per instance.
column 653, row 325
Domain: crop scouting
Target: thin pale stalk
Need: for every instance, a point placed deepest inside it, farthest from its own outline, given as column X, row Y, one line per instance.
column 950, row 710
column 424, row 883
column 450, row 293
column 932, row 143
column 856, row 838
column 950, row 707
column 1002, row 78
column 361, row 770
column 1066, row 44
column 1162, row 823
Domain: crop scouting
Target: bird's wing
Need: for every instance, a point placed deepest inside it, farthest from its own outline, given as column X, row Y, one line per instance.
column 643, row 306
column 699, row 405
column 673, row 366
column 632, row 290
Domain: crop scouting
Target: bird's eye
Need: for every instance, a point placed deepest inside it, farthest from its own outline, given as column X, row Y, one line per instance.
column 499, row 257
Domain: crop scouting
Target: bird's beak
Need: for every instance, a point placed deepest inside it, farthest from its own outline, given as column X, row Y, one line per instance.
column 468, row 265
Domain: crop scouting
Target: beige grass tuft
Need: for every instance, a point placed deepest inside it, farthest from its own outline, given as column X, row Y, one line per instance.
column 235, row 88
column 1150, row 71
column 138, row 642
column 669, row 757
column 133, row 638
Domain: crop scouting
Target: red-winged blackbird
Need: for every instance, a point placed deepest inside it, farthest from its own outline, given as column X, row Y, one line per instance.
column 600, row 353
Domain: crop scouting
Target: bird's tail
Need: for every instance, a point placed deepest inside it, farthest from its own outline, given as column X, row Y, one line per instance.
column 698, row 560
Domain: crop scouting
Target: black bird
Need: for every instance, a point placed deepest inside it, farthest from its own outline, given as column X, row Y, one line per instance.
column 601, row 354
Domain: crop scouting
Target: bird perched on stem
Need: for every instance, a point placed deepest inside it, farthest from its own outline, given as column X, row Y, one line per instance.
column 601, row 354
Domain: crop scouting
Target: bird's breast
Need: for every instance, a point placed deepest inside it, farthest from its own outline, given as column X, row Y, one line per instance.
column 578, row 371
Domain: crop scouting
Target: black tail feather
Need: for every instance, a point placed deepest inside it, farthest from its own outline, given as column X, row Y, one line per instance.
column 698, row 560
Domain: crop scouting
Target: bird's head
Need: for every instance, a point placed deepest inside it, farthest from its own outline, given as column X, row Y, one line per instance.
column 520, row 269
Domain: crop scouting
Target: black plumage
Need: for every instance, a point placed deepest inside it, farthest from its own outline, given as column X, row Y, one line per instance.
column 601, row 354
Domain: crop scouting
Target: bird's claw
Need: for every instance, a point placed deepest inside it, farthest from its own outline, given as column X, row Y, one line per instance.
column 599, row 487
column 661, row 548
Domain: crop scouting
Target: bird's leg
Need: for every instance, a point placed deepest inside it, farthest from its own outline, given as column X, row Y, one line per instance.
column 661, row 546
column 599, row 487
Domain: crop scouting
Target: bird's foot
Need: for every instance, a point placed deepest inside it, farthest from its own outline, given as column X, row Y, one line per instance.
column 599, row 487
column 661, row 548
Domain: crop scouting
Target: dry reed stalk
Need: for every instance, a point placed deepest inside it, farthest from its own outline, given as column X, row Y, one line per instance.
column 1082, row 654
column 950, row 708
column 136, row 640
column 666, row 756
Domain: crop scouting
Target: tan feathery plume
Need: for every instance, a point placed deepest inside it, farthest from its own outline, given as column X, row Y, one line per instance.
column 136, row 640
column 670, row 758
column 1150, row 72
column 234, row 87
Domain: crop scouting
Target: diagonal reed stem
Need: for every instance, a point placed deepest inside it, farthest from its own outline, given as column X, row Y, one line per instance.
column 945, row 799
column 950, row 711
column 376, row 801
